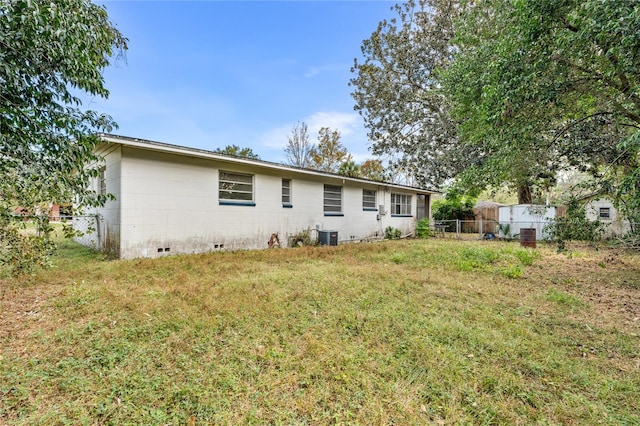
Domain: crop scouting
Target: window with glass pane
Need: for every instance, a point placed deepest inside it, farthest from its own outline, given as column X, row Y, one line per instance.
column 286, row 191
column 235, row 186
column 102, row 181
column 401, row 204
column 332, row 199
column 368, row 199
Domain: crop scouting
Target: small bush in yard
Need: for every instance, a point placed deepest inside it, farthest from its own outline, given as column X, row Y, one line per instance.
column 422, row 228
column 575, row 227
column 391, row 233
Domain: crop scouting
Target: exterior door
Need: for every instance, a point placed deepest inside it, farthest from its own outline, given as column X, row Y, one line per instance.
column 423, row 206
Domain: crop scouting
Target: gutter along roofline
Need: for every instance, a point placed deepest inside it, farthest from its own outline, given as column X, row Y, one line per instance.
column 201, row 153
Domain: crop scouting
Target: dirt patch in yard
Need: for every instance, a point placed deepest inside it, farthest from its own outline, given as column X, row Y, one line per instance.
column 607, row 279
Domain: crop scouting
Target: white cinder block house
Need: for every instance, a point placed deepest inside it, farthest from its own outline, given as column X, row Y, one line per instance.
column 173, row 199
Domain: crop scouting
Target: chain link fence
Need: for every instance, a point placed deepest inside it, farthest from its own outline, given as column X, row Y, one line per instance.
column 88, row 230
column 482, row 229
column 86, row 227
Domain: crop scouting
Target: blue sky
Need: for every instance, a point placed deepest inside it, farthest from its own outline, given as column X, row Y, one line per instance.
column 206, row 74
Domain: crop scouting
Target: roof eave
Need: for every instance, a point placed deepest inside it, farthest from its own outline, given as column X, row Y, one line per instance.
column 201, row 153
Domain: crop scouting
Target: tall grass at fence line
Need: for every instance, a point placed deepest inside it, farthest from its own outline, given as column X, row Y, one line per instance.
column 616, row 233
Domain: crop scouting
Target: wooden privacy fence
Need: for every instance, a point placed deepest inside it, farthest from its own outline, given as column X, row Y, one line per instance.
column 485, row 220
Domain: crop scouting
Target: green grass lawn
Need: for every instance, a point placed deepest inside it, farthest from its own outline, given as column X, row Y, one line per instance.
column 397, row 332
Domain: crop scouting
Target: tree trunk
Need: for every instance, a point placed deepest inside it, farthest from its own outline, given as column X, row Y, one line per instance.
column 524, row 195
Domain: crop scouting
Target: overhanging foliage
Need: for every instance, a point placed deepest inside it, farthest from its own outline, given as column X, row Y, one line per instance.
column 50, row 53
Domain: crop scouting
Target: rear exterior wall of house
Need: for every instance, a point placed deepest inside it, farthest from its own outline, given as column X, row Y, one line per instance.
column 168, row 203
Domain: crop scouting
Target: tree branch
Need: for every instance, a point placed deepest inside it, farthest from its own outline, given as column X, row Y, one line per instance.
column 564, row 130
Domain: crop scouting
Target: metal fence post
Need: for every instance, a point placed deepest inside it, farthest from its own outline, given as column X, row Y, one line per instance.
column 458, row 229
column 98, row 233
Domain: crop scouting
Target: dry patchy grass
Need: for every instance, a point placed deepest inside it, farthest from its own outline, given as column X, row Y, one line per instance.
column 399, row 332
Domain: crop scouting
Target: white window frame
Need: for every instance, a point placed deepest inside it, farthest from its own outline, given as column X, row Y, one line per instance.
column 286, row 193
column 332, row 200
column 401, row 204
column 102, row 181
column 369, row 200
column 235, row 188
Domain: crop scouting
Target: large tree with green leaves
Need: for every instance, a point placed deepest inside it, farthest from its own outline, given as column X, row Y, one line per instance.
column 329, row 154
column 236, row 151
column 50, row 53
column 506, row 92
column 549, row 85
column 372, row 169
column 399, row 94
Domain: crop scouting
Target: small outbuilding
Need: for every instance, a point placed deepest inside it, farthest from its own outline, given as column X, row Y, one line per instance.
column 603, row 210
column 518, row 216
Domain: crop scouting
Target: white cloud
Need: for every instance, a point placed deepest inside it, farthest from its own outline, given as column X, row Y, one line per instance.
column 313, row 71
column 352, row 131
column 275, row 138
column 349, row 124
column 345, row 122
